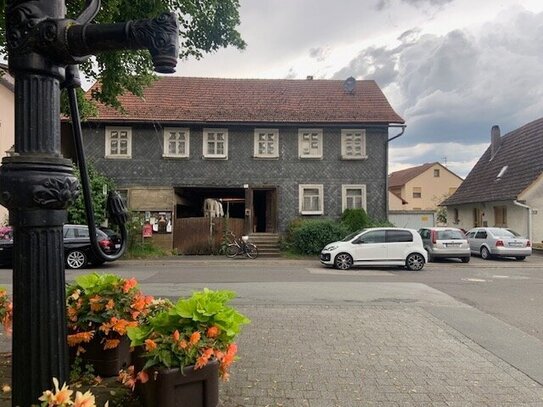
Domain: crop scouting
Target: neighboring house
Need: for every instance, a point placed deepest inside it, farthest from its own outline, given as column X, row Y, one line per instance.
column 7, row 121
column 505, row 188
column 268, row 150
column 423, row 187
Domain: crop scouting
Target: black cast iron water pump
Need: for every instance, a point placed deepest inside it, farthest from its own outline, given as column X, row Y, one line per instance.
column 37, row 184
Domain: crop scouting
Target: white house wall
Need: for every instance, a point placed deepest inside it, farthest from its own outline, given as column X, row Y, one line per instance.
column 533, row 196
column 517, row 217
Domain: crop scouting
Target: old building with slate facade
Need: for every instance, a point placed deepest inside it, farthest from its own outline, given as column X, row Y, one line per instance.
column 268, row 150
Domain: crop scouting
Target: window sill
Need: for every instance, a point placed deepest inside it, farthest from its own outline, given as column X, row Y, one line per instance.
column 311, row 212
column 264, row 157
column 214, row 157
column 118, row 157
column 364, row 157
column 176, row 157
column 310, row 157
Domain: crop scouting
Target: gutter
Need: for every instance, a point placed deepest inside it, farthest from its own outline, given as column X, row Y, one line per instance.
column 402, row 126
column 529, row 217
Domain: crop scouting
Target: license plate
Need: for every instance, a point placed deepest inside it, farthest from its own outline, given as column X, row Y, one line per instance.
column 452, row 244
column 516, row 244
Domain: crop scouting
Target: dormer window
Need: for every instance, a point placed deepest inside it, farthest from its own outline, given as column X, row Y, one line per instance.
column 502, row 171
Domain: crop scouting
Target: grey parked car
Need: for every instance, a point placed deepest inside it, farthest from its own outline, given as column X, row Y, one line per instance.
column 445, row 242
column 498, row 242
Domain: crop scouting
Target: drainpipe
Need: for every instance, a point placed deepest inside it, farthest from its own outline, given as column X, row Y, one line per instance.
column 529, row 218
column 402, row 126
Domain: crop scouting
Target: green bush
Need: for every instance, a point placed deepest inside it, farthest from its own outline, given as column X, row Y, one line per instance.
column 310, row 236
column 355, row 219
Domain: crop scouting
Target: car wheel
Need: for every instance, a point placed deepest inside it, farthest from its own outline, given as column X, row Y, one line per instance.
column 343, row 261
column 414, row 262
column 76, row 259
column 465, row 259
column 485, row 254
column 520, row 258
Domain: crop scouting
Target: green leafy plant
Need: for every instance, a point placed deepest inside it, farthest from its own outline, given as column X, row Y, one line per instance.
column 313, row 235
column 193, row 332
column 355, row 219
column 76, row 212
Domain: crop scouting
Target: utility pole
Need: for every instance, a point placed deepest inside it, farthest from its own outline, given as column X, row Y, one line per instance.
column 37, row 184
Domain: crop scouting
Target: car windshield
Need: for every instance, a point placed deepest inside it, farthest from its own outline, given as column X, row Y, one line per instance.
column 499, row 232
column 351, row 236
column 450, row 235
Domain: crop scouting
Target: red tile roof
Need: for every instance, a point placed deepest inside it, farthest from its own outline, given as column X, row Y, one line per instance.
column 212, row 100
column 402, row 177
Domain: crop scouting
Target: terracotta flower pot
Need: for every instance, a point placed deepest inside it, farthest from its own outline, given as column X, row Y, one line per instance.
column 175, row 388
column 108, row 362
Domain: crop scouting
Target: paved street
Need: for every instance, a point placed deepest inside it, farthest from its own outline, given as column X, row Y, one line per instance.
column 451, row 335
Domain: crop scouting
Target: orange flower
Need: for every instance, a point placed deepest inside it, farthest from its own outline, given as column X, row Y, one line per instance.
column 204, row 358
column 111, row 344
column 176, row 336
column 183, row 344
column 72, row 314
column 76, row 339
column 84, row 400
column 110, row 304
column 194, row 338
column 129, row 284
column 95, row 304
column 142, row 376
column 213, row 331
column 150, row 345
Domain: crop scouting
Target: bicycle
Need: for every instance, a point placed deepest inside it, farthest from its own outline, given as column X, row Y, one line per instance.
column 240, row 246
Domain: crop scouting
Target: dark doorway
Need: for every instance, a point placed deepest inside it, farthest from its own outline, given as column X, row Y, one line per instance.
column 264, row 210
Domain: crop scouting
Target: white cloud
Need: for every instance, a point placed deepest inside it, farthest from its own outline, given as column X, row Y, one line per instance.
column 459, row 158
column 456, row 86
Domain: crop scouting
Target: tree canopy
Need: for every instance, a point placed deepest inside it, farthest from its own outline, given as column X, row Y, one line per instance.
column 204, row 26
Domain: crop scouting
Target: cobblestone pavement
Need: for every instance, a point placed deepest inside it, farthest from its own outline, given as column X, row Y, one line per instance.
column 342, row 356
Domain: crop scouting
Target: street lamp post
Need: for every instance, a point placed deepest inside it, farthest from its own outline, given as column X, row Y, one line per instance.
column 37, row 184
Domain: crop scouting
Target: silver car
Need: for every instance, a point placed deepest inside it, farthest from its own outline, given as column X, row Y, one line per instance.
column 498, row 242
column 445, row 242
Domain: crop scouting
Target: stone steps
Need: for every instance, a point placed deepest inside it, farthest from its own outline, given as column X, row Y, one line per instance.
column 267, row 244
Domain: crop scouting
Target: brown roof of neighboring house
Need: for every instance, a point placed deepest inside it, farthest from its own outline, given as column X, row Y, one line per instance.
column 521, row 151
column 5, row 78
column 213, row 100
column 402, row 177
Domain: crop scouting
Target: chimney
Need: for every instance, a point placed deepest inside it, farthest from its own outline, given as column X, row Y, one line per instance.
column 309, row 77
column 495, row 141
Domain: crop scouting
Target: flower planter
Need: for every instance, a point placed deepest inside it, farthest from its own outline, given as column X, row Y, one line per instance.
column 108, row 362
column 189, row 388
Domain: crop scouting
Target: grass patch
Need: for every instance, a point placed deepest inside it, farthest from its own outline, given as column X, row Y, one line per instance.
column 144, row 251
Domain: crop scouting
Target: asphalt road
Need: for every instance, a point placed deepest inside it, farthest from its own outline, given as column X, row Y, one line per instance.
column 509, row 290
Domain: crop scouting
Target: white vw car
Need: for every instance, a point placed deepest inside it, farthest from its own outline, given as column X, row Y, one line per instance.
column 377, row 247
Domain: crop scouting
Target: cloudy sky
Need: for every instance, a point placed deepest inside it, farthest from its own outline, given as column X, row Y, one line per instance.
column 450, row 68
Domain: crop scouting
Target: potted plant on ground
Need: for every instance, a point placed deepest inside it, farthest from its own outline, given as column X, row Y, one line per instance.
column 185, row 349
column 100, row 309
column 6, row 310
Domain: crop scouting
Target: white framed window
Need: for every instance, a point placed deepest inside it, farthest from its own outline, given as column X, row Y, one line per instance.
column 176, row 142
column 353, row 197
column 310, row 143
column 266, row 143
column 311, row 197
column 353, row 144
column 215, row 143
column 118, row 142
